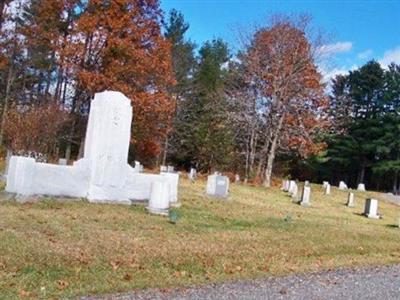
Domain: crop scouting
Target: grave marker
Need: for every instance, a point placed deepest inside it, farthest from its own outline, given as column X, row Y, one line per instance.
column 371, row 208
column 350, row 200
column 217, row 185
column 342, row 185
column 305, row 196
column 103, row 174
column 361, row 187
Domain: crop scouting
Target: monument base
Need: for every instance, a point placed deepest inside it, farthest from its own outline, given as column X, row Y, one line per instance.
column 158, row 211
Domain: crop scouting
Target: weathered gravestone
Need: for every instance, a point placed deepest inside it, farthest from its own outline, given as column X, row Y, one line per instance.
column 217, row 185
column 192, row 174
column 350, row 200
column 327, row 189
column 159, row 201
column 307, row 183
column 305, row 196
column 342, row 185
column 173, row 179
column 324, row 184
column 103, row 174
column 294, row 193
column 371, row 208
column 361, row 187
column 292, row 184
column 237, row 178
column 286, row 186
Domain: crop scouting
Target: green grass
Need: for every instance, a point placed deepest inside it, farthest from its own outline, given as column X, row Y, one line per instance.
column 55, row 249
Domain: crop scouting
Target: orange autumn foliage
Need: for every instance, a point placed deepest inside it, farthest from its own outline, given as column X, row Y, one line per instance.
column 35, row 128
column 118, row 45
column 281, row 64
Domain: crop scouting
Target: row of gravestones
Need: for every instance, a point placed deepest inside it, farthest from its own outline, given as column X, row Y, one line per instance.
column 371, row 205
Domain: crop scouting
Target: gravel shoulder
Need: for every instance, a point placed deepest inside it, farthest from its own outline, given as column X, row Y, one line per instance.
column 381, row 282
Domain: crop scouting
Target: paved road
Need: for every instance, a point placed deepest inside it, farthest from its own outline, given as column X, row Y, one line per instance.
column 364, row 283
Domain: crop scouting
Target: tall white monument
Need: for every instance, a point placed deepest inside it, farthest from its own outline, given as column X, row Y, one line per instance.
column 103, row 174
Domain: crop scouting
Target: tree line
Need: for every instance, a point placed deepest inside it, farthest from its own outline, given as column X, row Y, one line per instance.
column 261, row 111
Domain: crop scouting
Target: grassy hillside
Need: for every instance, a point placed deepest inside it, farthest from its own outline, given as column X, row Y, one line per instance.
column 64, row 249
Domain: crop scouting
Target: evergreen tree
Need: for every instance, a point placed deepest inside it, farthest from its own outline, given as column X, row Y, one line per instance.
column 183, row 64
column 204, row 133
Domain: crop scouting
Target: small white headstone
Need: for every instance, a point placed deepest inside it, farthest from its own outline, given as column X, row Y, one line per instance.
column 170, row 169
column 305, row 196
column 325, row 183
column 163, row 169
column 292, row 183
column 237, row 178
column 159, row 198
column 327, row 189
column 306, row 183
column 217, row 185
column 283, row 184
column 342, row 185
column 62, row 162
column 295, row 191
column 192, row 174
column 350, row 200
column 371, row 208
column 361, row 187
column 286, row 186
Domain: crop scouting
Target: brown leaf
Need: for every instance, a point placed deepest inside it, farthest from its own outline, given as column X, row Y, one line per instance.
column 62, row 284
column 127, row 277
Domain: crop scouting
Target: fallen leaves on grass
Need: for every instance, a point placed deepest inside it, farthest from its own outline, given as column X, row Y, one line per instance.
column 62, row 284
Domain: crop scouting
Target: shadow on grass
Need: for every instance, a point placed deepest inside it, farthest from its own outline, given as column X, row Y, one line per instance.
column 392, row 226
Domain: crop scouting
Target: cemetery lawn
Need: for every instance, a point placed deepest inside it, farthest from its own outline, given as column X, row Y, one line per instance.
column 54, row 249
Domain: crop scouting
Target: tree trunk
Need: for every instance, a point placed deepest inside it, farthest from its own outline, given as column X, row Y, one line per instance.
column 362, row 173
column 164, row 158
column 271, row 154
column 6, row 100
column 395, row 183
column 253, row 143
column 246, row 168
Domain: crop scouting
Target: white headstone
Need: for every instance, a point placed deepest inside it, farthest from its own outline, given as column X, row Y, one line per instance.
column 361, row 187
column 292, row 183
column 324, row 184
column 294, row 193
column 163, row 169
column 350, row 200
column 237, row 178
column 217, row 185
column 305, row 196
column 103, row 174
column 283, row 184
column 342, row 185
column 192, row 174
column 371, row 208
column 327, row 189
column 62, row 162
column 159, row 198
column 286, row 186
column 170, row 169
column 306, row 183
